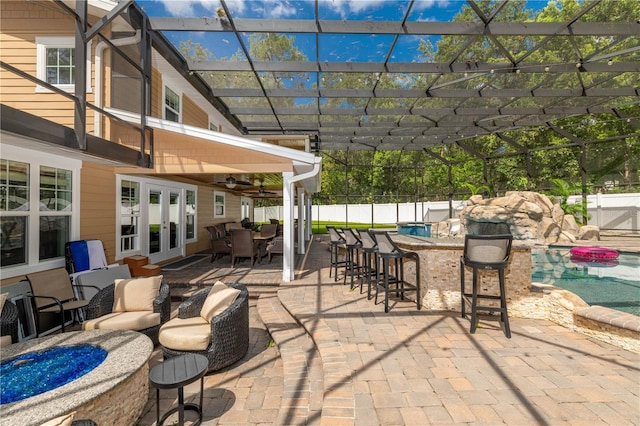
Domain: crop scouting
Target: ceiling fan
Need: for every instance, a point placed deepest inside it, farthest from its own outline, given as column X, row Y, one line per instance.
column 262, row 192
column 231, row 182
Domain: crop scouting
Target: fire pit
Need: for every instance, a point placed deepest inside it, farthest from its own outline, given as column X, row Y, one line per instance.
column 113, row 388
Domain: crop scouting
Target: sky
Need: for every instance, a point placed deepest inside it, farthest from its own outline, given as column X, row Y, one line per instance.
column 333, row 47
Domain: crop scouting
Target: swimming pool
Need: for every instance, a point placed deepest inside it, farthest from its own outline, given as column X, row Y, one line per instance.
column 615, row 285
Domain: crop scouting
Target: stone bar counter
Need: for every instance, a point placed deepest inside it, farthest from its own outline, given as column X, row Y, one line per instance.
column 440, row 275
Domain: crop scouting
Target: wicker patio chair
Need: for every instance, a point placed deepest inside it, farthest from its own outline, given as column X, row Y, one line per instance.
column 244, row 246
column 275, row 246
column 219, row 241
column 9, row 321
column 102, row 304
column 229, row 340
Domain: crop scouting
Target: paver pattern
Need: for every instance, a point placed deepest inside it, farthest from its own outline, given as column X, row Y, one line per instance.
column 333, row 357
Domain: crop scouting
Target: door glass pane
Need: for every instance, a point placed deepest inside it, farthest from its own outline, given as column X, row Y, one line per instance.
column 174, row 219
column 155, row 223
column 54, row 233
column 14, row 240
column 190, row 213
column 129, row 215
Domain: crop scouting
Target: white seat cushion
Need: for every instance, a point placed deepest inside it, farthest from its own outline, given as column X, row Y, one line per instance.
column 5, row 340
column 3, row 298
column 135, row 294
column 134, row 320
column 65, row 420
column 220, row 297
column 188, row 334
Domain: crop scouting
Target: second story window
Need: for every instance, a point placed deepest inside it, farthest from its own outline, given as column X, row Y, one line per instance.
column 56, row 63
column 171, row 105
column 59, row 66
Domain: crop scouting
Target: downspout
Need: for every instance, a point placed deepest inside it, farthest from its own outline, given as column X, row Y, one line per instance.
column 287, row 264
column 134, row 39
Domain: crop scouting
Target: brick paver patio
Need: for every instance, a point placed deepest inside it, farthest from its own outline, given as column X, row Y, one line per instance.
column 333, row 357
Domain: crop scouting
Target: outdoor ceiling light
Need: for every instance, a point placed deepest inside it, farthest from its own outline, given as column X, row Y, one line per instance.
column 231, row 182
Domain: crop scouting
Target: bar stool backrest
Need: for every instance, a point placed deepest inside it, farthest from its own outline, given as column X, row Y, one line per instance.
column 334, row 235
column 488, row 250
column 368, row 242
column 350, row 237
column 384, row 242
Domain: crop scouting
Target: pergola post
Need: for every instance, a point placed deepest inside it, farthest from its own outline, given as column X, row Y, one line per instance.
column 301, row 221
column 80, row 76
column 288, row 229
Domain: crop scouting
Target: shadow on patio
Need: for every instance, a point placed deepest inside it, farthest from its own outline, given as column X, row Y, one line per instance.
column 322, row 354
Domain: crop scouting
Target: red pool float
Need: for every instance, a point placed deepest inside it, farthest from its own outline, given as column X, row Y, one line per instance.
column 593, row 254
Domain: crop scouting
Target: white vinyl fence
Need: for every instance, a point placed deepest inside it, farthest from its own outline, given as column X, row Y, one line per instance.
column 608, row 211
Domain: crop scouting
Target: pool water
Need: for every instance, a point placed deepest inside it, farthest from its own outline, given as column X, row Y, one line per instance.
column 614, row 285
column 34, row 373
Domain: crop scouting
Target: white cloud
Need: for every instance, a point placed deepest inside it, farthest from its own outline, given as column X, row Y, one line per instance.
column 187, row 7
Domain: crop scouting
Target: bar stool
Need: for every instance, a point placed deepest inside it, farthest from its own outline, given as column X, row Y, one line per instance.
column 336, row 242
column 369, row 256
column 352, row 245
column 487, row 253
column 387, row 251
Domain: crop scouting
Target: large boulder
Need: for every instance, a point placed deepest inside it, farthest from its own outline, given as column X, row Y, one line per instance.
column 526, row 215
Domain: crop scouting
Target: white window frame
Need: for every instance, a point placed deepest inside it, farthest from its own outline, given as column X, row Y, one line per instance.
column 36, row 160
column 166, row 86
column 223, row 195
column 213, row 126
column 44, row 42
column 138, row 240
column 195, row 215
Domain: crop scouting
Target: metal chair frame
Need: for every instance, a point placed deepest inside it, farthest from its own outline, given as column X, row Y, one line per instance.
column 336, row 242
column 369, row 257
column 353, row 245
column 387, row 251
column 486, row 253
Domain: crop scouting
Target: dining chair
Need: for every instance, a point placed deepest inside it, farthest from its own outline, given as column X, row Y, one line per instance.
column 244, row 246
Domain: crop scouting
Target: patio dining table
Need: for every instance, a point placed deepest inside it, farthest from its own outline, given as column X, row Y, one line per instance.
column 258, row 236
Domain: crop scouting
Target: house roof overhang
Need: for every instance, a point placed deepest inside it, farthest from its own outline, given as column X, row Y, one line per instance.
column 201, row 154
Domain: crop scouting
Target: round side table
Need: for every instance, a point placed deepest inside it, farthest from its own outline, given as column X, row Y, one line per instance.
column 176, row 373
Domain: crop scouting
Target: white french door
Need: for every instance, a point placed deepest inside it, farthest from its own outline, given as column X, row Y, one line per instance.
column 164, row 239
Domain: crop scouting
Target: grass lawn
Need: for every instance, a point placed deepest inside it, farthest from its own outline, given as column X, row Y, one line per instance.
column 320, row 227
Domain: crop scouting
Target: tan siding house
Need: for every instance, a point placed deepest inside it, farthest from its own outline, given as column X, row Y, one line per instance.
column 113, row 189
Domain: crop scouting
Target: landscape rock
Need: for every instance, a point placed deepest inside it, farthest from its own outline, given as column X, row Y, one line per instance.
column 526, row 215
column 589, row 232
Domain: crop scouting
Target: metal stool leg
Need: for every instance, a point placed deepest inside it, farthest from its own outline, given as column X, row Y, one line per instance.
column 504, row 316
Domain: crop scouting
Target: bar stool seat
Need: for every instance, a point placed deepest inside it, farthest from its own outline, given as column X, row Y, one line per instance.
column 387, row 251
column 485, row 253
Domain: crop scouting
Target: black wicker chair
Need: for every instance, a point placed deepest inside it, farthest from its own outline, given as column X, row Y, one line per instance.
column 102, row 304
column 9, row 321
column 229, row 330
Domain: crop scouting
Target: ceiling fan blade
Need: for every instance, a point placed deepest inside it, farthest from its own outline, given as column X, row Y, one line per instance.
column 233, row 181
